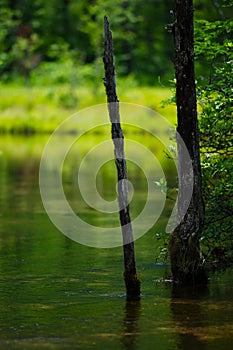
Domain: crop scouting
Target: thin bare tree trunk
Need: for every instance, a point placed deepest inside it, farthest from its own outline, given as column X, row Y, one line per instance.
column 219, row 10
column 130, row 276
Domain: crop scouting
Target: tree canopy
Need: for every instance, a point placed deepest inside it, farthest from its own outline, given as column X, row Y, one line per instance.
column 33, row 32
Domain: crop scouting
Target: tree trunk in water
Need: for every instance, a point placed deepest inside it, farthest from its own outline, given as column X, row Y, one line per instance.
column 130, row 276
column 185, row 255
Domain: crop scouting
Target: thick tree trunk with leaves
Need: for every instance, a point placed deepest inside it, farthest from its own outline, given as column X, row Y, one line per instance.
column 130, row 276
column 186, row 262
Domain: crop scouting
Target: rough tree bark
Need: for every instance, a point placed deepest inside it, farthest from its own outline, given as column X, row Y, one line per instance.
column 186, row 263
column 132, row 282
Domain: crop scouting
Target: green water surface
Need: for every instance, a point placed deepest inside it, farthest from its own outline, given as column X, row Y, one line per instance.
column 58, row 294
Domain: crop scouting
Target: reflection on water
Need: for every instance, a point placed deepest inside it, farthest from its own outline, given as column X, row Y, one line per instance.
column 188, row 315
column 201, row 318
column 130, row 324
column 57, row 294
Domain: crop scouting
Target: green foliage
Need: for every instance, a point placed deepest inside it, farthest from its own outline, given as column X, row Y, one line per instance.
column 214, row 66
column 32, row 32
column 43, row 31
column 214, row 44
column 163, row 240
column 68, row 99
column 162, row 186
column 41, row 108
column 7, row 25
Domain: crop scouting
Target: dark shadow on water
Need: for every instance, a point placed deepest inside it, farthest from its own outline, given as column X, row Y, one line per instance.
column 130, row 324
column 188, row 316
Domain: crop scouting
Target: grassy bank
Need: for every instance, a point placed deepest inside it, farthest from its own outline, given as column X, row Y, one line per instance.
column 26, row 109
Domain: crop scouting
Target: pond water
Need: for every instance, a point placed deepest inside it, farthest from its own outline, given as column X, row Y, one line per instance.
column 58, row 294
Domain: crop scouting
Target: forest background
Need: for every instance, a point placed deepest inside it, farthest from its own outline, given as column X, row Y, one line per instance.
column 51, row 65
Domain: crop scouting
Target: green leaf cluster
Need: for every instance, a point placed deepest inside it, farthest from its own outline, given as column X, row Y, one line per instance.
column 215, row 94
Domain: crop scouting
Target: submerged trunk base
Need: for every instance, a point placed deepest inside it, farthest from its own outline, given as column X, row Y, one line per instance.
column 187, row 265
column 132, row 283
